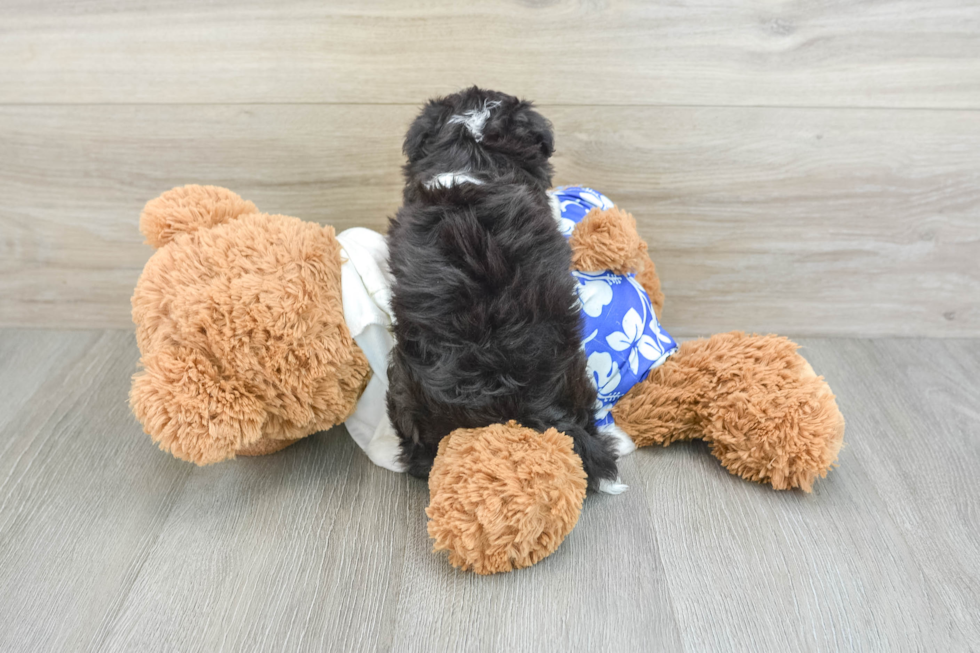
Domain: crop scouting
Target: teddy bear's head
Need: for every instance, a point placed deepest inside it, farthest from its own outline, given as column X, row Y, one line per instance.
column 240, row 324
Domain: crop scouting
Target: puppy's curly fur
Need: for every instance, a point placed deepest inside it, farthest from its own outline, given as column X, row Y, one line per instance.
column 487, row 324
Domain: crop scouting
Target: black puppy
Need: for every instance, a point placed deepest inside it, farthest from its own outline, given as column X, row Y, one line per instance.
column 487, row 323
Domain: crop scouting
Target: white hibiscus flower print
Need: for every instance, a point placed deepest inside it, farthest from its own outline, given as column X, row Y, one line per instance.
column 633, row 339
column 565, row 227
column 603, row 372
column 594, row 293
column 589, row 338
column 595, row 198
column 662, row 335
column 601, row 410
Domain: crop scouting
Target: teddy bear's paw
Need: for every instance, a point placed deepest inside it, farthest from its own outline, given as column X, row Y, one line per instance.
column 777, row 423
column 503, row 497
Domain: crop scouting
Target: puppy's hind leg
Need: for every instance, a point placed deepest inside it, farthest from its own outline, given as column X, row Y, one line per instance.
column 598, row 452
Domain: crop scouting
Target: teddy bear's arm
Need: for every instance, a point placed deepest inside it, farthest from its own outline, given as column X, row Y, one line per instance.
column 608, row 240
column 647, row 277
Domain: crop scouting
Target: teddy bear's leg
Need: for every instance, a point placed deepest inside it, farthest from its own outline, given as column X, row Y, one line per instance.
column 503, row 497
column 767, row 415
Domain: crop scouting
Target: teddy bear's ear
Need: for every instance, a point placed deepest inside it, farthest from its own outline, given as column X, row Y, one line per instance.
column 190, row 411
column 189, row 208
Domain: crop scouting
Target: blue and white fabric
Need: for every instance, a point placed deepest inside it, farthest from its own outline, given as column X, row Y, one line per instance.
column 622, row 338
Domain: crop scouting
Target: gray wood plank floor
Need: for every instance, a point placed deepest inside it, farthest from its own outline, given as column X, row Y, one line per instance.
column 108, row 544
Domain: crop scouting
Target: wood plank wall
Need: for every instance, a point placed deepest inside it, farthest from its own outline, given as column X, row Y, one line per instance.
column 811, row 168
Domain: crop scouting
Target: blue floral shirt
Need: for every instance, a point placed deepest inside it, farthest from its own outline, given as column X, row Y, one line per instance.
column 622, row 338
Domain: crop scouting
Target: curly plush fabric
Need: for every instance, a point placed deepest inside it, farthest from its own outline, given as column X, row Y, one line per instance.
column 265, row 447
column 241, row 329
column 767, row 416
column 647, row 277
column 503, row 497
column 187, row 209
column 607, row 240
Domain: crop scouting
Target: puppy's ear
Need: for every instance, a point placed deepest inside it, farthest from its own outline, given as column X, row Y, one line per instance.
column 535, row 128
column 425, row 128
column 516, row 126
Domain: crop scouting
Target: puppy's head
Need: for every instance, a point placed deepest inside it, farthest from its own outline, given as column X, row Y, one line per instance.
column 483, row 134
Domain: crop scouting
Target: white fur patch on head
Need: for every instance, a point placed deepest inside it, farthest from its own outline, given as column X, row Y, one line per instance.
column 448, row 179
column 475, row 119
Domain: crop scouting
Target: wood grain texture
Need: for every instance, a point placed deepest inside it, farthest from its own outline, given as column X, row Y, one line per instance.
column 839, row 53
column 70, row 249
column 82, row 499
column 804, row 221
column 884, row 555
column 108, row 544
column 299, row 551
column 604, row 589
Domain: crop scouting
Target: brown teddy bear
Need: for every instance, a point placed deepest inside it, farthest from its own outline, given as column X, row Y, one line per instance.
column 256, row 330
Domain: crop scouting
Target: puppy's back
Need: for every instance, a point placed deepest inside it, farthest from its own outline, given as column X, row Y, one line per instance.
column 487, row 326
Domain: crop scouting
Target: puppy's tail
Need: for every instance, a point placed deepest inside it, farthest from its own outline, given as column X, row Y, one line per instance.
column 599, row 451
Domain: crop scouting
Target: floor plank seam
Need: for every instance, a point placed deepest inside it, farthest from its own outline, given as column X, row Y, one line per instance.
column 660, row 551
column 49, row 433
column 110, row 621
